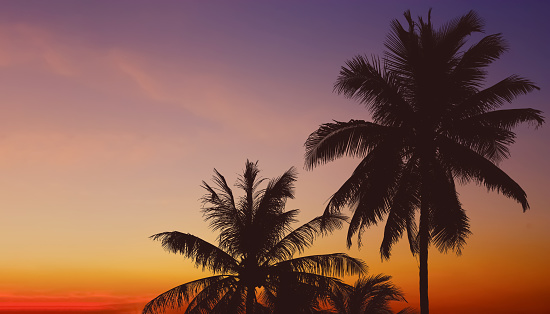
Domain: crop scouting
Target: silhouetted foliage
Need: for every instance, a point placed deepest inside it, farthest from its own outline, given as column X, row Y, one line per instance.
column 369, row 295
column 253, row 263
column 432, row 124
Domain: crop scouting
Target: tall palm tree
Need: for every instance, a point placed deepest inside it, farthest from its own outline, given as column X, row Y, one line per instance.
column 255, row 250
column 369, row 295
column 433, row 122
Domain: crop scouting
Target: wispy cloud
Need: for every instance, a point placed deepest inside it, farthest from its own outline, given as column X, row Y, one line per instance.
column 26, row 44
column 67, row 150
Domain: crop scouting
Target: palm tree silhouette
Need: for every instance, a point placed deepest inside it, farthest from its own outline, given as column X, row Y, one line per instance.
column 369, row 295
column 433, row 123
column 256, row 246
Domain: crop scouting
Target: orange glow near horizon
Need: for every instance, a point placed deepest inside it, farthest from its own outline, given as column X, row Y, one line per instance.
column 76, row 303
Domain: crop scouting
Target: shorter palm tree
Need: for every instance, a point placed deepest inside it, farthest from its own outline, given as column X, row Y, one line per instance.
column 253, row 264
column 369, row 295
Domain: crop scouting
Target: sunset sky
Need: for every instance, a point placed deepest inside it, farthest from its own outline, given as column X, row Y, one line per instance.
column 113, row 112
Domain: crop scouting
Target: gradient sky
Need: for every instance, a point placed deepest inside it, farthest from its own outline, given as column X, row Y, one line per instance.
column 113, row 112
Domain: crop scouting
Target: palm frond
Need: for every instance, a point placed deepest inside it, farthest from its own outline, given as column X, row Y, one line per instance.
column 302, row 237
column 267, row 296
column 469, row 72
column 359, row 221
column 489, row 134
column 222, row 196
column 202, row 252
column 220, row 210
column 458, row 28
column 283, row 275
column 407, row 310
column 468, row 165
column 404, row 203
column 370, row 294
column 249, row 183
column 402, row 49
column 489, row 141
column 208, row 298
column 335, row 264
column 354, row 138
column 449, row 224
column 494, row 96
column 300, row 293
column 370, row 188
column 379, row 284
column 412, row 236
column 367, row 82
column 377, row 304
column 233, row 301
column 509, row 118
column 338, row 298
column 179, row 296
column 372, row 179
column 277, row 192
column 452, row 35
column 266, row 232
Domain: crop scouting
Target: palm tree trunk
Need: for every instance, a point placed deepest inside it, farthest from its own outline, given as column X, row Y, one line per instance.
column 424, row 235
column 423, row 246
column 250, row 297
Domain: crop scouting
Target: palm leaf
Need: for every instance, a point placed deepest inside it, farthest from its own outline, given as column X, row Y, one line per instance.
column 402, row 49
column 489, row 134
column 333, row 140
column 335, row 264
column 249, row 183
column 179, row 296
column 469, row 73
column 210, row 296
column 403, row 205
column 407, row 310
column 370, row 294
column 370, row 188
column 373, row 172
column 468, row 165
column 277, row 192
column 449, row 223
column 302, row 237
column 232, row 301
column 220, row 209
column 509, row 118
column 266, row 232
column 491, row 142
column 203, row 253
column 339, row 300
column 300, row 294
column 493, row 97
column 377, row 89
column 452, row 35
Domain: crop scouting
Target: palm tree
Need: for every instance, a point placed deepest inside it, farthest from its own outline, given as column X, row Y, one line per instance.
column 433, row 123
column 369, row 295
column 255, row 250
